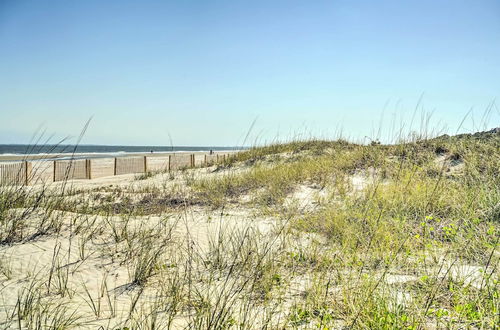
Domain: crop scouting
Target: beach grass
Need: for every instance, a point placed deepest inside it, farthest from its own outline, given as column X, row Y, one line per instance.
column 306, row 234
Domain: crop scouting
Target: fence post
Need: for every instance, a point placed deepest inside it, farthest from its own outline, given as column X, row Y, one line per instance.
column 88, row 166
column 169, row 162
column 217, row 159
column 54, row 171
column 27, row 172
column 114, row 170
column 192, row 160
column 145, row 164
column 205, row 160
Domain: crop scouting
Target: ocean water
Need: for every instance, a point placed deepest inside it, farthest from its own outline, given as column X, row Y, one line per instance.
column 97, row 150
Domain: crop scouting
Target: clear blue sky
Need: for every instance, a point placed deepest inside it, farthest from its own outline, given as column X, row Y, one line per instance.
column 202, row 71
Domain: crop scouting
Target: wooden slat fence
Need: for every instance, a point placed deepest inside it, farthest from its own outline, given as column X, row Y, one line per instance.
column 179, row 161
column 199, row 160
column 210, row 159
column 158, row 164
column 126, row 165
column 102, row 167
column 13, row 173
column 40, row 171
column 70, row 169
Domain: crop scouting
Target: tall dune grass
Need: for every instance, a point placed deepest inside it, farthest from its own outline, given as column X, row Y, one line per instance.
column 388, row 236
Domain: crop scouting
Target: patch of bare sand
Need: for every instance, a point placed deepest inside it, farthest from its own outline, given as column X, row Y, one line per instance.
column 80, row 277
column 306, row 197
column 449, row 165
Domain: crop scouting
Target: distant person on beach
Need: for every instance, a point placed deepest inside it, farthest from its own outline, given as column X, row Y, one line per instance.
column 151, row 151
